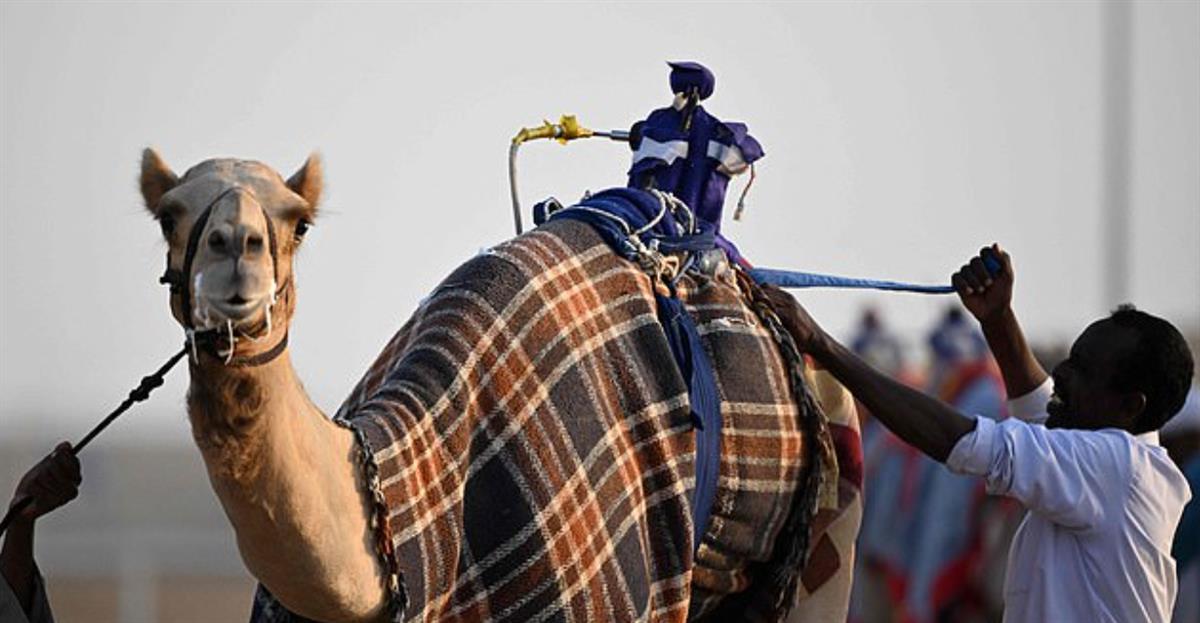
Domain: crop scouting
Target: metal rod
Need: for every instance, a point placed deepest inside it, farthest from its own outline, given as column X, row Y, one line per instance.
column 560, row 132
column 512, row 185
column 616, row 135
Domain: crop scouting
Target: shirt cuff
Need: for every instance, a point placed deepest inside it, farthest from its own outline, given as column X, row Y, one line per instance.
column 973, row 452
column 1031, row 407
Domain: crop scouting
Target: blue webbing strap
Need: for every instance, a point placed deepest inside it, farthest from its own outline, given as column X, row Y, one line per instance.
column 616, row 214
column 797, row 279
column 693, row 362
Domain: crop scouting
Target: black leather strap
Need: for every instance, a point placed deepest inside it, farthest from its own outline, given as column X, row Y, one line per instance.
column 261, row 358
column 189, row 256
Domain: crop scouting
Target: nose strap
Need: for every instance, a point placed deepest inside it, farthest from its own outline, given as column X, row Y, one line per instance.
column 188, row 257
column 180, row 280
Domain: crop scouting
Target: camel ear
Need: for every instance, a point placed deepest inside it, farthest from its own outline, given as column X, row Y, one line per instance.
column 157, row 178
column 307, row 181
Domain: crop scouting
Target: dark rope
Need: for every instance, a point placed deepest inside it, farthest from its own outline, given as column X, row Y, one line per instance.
column 136, row 395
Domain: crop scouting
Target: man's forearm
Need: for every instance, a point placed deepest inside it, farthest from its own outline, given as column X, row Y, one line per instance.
column 1021, row 371
column 924, row 422
column 16, row 561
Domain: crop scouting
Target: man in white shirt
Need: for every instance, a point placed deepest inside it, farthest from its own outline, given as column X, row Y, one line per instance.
column 1081, row 452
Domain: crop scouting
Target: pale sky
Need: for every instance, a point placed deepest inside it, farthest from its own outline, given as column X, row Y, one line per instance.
column 900, row 137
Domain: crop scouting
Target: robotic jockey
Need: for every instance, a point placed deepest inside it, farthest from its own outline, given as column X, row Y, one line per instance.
column 684, row 150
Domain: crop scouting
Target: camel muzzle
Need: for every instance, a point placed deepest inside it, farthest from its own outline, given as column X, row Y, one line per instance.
column 203, row 328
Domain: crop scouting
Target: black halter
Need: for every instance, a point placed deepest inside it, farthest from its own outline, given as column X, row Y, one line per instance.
column 179, row 282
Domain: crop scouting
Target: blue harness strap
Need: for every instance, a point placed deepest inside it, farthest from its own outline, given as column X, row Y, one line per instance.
column 797, row 279
column 695, row 367
column 639, row 225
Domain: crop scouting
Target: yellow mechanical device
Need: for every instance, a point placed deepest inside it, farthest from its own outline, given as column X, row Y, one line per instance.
column 567, row 129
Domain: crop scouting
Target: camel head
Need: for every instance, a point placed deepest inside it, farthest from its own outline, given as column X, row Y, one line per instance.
column 235, row 271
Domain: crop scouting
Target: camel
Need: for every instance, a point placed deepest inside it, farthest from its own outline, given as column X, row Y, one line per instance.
column 283, row 472
column 531, row 466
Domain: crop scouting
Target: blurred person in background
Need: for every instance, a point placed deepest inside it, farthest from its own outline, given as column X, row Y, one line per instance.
column 913, row 565
column 1081, row 451
column 1181, row 438
column 54, row 481
column 876, row 344
column 889, row 472
column 953, row 344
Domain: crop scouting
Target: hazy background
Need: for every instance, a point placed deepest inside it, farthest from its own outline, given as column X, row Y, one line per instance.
column 900, row 137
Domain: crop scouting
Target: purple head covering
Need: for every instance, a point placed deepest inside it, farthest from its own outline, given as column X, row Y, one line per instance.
column 686, row 75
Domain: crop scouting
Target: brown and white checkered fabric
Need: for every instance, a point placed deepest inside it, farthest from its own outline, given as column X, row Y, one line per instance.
column 528, row 438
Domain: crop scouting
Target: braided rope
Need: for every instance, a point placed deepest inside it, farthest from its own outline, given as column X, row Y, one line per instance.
column 788, row 561
column 136, row 395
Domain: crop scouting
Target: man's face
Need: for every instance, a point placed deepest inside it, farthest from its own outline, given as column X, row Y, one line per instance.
column 1083, row 397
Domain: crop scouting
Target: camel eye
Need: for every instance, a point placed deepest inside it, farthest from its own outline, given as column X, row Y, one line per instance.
column 301, row 229
column 167, row 223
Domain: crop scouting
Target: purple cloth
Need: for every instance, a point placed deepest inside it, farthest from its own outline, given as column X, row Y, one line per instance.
column 688, row 152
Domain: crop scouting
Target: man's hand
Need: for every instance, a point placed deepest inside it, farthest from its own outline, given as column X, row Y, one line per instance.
column 54, row 481
column 809, row 335
column 985, row 295
column 989, row 298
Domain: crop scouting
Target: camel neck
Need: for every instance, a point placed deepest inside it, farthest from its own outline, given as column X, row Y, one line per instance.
column 285, row 474
column 238, row 413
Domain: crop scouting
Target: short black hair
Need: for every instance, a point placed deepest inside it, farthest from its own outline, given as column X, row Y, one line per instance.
column 1159, row 366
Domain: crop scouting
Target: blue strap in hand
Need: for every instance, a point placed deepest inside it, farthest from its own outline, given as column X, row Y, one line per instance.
column 797, row 279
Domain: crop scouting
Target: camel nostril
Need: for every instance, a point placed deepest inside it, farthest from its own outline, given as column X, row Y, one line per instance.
column 254, row 243
column 216, row 242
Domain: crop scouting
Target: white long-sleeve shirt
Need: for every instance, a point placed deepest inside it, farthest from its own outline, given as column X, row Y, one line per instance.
column 1103, row 507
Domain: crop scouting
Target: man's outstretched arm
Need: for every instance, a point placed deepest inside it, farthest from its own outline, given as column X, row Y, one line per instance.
column 926, row 423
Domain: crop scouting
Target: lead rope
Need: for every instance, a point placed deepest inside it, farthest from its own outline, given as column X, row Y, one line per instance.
column 136, row 395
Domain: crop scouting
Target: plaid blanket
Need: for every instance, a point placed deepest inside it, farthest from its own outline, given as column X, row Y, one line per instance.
column 528, row 442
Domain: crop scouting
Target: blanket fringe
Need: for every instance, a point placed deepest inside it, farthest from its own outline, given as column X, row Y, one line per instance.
column 397, row 591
